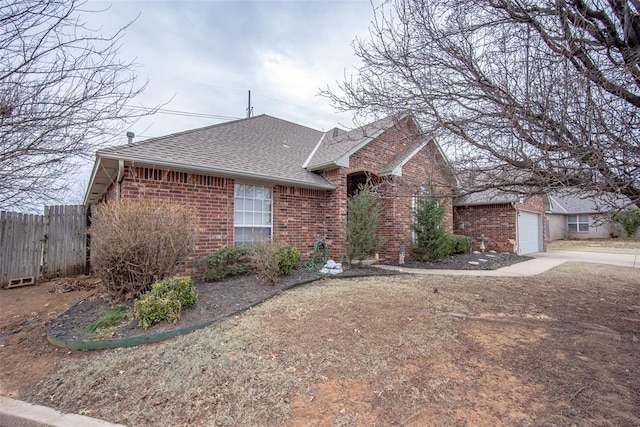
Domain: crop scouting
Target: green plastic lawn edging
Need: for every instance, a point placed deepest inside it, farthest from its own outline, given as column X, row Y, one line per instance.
column 111, row 343
column 153, row 338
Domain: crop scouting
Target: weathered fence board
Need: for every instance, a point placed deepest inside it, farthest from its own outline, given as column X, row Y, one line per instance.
column 42, row 246
column 65, row 251
column 21, row 239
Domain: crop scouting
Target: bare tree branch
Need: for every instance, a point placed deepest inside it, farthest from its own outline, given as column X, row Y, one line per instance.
column 63, row 92
column 526, row 95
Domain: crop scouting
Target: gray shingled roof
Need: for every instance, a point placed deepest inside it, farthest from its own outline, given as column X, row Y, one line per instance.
column 336, row 147
column 576, row 202
column 491, row 196
column 263, row 147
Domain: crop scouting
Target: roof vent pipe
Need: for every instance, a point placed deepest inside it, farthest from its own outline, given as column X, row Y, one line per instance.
column 130, row 136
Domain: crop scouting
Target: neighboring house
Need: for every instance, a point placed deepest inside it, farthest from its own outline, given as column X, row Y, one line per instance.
column 508, row 222
column 575, row 215
column 264, row 177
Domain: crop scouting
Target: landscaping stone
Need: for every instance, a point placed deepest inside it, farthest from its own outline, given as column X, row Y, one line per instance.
column 474, row 263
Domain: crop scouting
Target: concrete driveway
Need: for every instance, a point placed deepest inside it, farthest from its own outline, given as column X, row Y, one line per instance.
column 624, row 260
column 541, row 262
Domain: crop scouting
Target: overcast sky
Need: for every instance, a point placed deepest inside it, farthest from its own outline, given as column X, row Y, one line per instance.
column 204, row 56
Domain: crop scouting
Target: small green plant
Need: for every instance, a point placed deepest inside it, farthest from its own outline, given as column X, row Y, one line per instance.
column 228, row 262
column 179, row 286
column 165, row 300
column 112, row 317
column 289, row 257
column 629, row 219
column 363, row 217
column 458, row 244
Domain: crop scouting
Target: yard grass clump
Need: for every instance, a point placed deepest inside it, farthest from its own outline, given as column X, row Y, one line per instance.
column 111, row 318
column 165, row 300
column 228, row 262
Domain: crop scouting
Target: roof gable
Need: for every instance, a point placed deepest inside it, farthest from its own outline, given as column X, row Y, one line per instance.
column 337, row 146
column 579, row 202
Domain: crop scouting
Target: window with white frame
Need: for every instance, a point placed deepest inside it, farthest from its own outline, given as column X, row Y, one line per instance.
column 252, row 214
column 578, row 223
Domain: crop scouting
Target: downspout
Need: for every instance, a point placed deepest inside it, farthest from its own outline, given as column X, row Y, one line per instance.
column 120, row 179
column 516, row 243
column 130, row 136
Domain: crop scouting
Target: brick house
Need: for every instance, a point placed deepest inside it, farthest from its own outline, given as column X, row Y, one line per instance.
column 266, row 177
column 510, row 222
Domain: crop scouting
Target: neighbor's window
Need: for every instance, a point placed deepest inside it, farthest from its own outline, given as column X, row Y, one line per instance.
column 578, row 223
column 252, row 214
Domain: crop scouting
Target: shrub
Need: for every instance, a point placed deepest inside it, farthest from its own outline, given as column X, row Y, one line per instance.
column 266, row 260
column 431, row 241
column 136, row 242
column 228, row 262
column 152, row 308
column 458, row 244
column 288, row 258
column 179, row 286
column 165, row 300
column 363, row 217
column 629, row 219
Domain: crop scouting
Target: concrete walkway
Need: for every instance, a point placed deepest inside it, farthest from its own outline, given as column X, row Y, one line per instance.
column 15, row 413
column 542, row 262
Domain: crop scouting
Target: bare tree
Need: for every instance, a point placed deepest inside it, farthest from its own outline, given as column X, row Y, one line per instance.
column 526, row 95
column 63, row 91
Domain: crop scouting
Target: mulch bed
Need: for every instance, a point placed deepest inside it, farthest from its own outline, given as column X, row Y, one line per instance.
column 215, row 301
column 492, row 261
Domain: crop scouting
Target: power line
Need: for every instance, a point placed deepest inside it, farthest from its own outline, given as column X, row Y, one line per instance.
column 181, row 113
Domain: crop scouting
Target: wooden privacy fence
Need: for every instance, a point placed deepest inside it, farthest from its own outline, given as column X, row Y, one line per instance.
column 34, row 247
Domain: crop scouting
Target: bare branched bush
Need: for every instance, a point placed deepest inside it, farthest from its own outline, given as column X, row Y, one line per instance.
column 135, row 243
column 266, row 259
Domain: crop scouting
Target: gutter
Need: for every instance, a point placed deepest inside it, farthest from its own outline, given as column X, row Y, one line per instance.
column 219, row 172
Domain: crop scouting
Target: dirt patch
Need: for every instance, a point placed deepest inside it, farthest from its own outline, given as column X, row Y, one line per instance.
column 26, row 355
column 560, row 348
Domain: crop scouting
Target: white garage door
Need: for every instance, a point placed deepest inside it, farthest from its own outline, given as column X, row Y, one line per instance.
column 529, row 233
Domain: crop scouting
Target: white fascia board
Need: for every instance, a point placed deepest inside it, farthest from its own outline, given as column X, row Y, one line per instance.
column 87, row 191
column 313, row 153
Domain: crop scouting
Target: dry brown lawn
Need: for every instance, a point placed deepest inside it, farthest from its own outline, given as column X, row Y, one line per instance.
column 561, row 348
column 628, row 245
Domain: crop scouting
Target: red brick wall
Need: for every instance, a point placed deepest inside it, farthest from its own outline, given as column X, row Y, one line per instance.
column 298, row 214
column 335, row 212
column 299, row 217
column 496, row 222
column 211, row 197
